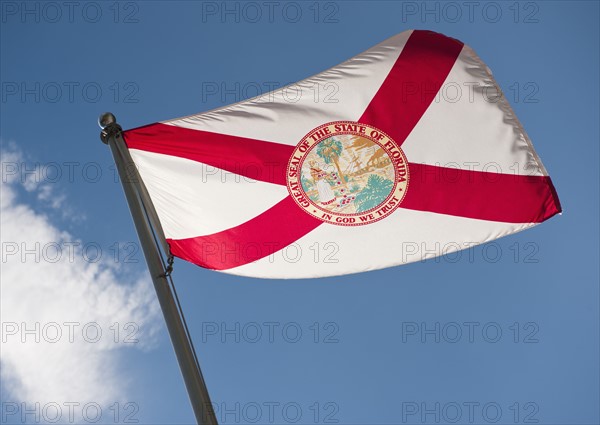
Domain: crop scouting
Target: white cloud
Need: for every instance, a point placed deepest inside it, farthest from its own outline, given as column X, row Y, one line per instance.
column 48, row 195
column 38, row 178
column 57, row 292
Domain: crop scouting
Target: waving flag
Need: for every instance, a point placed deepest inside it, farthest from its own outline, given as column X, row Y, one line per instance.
column 418, row 155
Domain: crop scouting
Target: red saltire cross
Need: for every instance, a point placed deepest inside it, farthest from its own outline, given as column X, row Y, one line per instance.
column 427, row 57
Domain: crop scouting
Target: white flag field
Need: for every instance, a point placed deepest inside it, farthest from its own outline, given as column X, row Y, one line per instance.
column 416, row 153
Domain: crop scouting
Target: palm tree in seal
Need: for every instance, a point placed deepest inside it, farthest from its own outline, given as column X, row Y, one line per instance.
column 330, row 150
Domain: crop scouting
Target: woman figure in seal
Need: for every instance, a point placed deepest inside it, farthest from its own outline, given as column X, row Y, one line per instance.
column 326, row 195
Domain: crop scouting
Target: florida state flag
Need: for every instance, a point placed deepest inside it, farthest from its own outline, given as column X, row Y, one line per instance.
column 409, row 151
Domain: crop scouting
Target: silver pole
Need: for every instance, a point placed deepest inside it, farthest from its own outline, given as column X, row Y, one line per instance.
column 188, row 364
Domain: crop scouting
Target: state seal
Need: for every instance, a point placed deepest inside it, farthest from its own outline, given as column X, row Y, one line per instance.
column 347, row 173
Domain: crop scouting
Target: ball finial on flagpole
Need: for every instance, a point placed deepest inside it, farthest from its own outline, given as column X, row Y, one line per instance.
column 108, row 123
column 105, row 119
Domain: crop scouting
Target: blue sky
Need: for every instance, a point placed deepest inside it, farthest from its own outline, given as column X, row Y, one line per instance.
column 364, row 354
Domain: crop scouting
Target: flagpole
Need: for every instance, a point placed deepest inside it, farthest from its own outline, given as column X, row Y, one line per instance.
column 184, row 351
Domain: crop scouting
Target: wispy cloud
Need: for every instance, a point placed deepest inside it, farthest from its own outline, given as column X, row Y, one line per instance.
column 37, row 178
column 53, row 307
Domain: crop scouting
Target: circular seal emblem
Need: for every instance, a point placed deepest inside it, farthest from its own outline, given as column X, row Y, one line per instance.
column 347, row 173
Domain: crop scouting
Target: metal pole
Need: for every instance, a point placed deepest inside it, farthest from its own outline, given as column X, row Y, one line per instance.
column 188, row 364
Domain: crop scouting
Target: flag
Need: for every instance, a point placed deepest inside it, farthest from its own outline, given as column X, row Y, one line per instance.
column 410, row 151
